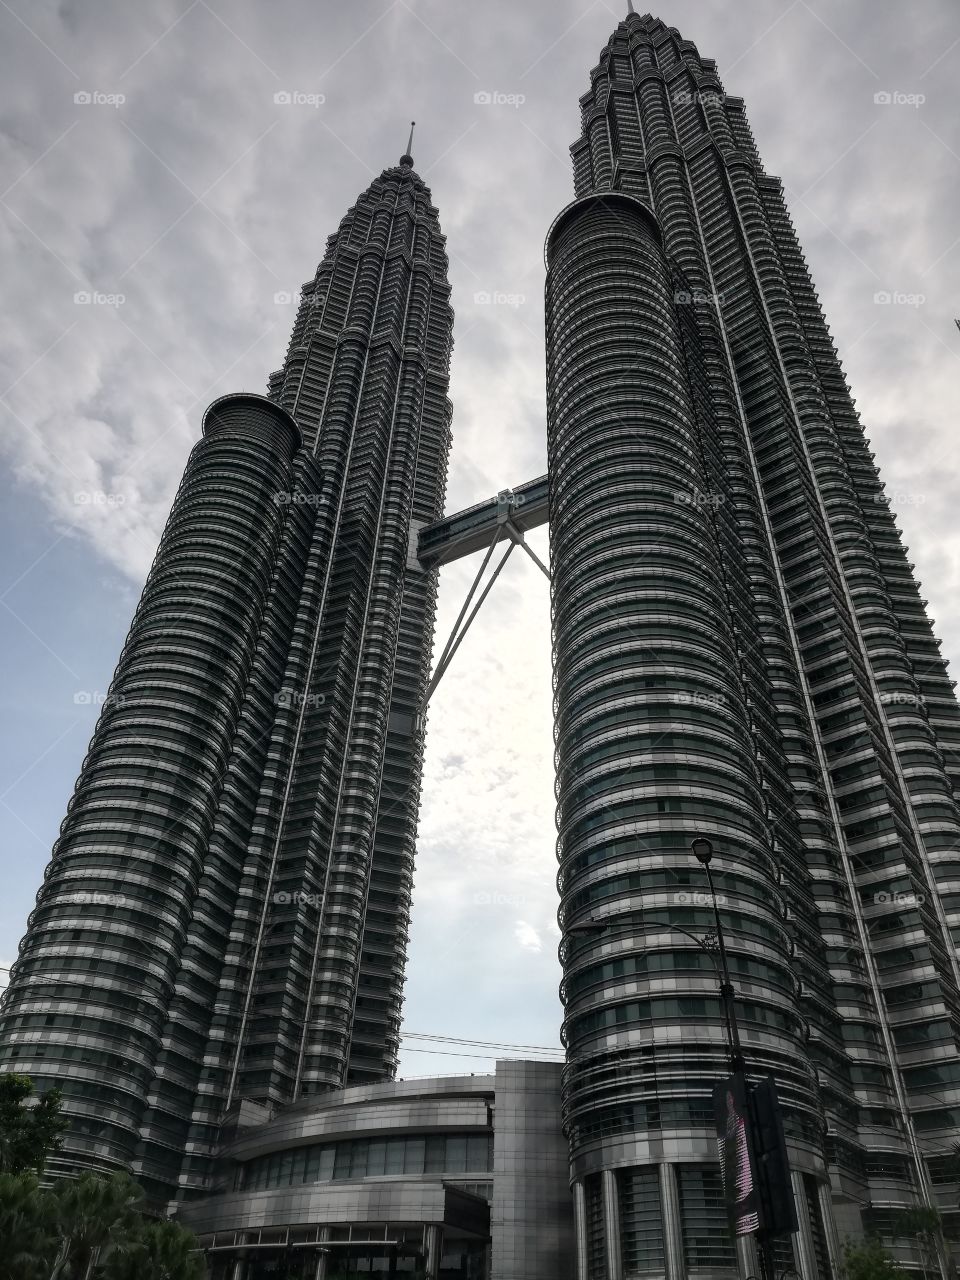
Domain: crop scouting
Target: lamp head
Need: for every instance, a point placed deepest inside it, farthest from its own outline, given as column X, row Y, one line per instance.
column 702, row 850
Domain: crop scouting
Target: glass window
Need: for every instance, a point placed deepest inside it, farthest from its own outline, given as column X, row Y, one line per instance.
column 456, row 1161
column 478, row 1154
column 434, row 1155
column 641, row 1224
column 703, row 1218
column 414, row 1155
column 311, row 1171
column 342, row 1165
column 328, row 1156
column 394, row 1155
column 358, row 1157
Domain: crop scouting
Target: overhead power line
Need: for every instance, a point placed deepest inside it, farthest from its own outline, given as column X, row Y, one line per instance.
column 494, row 1057
column 483, row 1044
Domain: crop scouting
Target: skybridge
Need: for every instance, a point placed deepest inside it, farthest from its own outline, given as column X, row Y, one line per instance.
column 472, row 529
column 500, row 520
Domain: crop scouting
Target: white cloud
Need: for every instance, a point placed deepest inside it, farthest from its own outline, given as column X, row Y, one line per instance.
column 527, row 936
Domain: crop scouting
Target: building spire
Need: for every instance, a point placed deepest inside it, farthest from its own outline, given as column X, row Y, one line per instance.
column 407, row 157
column 630, row 8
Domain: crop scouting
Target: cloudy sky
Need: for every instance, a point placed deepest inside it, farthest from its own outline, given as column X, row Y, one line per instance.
column 149, row 169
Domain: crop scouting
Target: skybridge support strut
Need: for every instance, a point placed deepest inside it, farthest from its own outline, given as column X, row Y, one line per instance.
column 458, row 633
column 520, row 541
column 508, row 515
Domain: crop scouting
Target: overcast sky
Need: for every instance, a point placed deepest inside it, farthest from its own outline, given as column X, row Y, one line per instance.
column 149, row 168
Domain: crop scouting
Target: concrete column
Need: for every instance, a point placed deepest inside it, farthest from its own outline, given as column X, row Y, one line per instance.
column 834, row 1251
column 803, row 1240
column 580, row 1228
column 323, row 1259
column 672, row 1227
column 434, row 1248
column 611, row 1225
column 748, row 1256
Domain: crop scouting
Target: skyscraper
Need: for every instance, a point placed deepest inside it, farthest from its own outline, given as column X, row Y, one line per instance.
column 225, row 912
column 740, row 653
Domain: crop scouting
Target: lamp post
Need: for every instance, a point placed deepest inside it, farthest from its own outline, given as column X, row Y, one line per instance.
column 713, row 944
column 776, row 1215
column 703, row 852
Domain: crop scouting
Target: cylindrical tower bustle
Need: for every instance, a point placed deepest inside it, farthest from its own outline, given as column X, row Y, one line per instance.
column 90, row 992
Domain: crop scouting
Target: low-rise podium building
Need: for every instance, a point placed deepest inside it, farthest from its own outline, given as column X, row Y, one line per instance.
column 461, row 1176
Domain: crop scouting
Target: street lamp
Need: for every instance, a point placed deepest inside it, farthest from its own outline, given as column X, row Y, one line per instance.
column 774, row 1209
column 769, row 1204
column 703, row 852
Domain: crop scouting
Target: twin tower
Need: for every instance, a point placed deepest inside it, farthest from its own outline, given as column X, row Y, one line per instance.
column 740, row 653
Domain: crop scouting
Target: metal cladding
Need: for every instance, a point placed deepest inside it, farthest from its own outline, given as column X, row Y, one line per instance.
column 366, row 377
column 740, row 653
column 477, row 1161
column 110, row 978
column 225, row 913
column 653, row 732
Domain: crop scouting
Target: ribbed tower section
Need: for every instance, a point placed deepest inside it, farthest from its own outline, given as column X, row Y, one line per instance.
column 120, row 954
column 225, row 914
column 741, row 653
column 327, row 897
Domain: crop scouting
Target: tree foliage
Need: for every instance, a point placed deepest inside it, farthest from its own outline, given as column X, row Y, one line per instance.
column 27, row 1239
column 869, row 1260
column 159, row 1251
column 86, row 1228
column 29, row 1129
column 91, row 1217
column 89, row 1228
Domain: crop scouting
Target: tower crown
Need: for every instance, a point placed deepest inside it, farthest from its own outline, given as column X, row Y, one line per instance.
column 407, row 158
